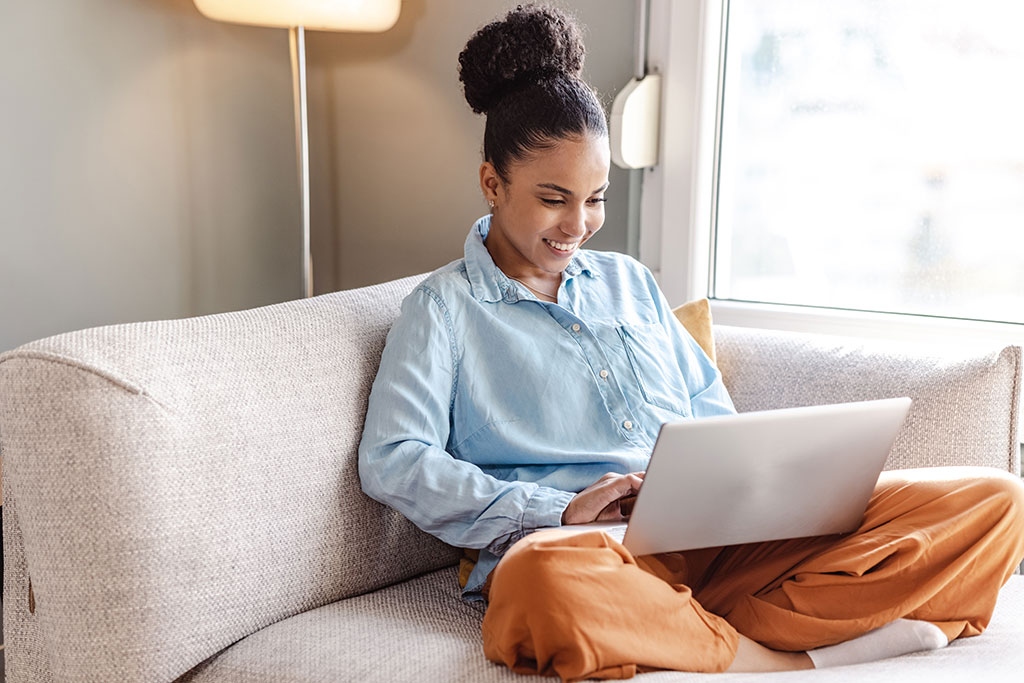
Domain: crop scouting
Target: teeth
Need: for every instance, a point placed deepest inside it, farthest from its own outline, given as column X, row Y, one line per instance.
column 561, row 246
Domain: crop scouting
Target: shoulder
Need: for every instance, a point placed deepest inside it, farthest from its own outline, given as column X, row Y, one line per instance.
column 620, row 270
column 628, row 286
column 612, row 261
column 444, row 285
column 426, row 319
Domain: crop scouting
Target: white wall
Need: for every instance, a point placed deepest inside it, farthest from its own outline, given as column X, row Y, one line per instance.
column 147, row 159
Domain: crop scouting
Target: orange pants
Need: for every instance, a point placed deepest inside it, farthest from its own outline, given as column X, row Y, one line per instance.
column 935, row 544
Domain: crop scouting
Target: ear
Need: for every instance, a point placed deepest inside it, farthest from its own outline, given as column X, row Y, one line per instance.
column 489, row 181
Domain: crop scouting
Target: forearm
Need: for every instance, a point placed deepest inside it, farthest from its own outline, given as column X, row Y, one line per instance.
column 453, row 499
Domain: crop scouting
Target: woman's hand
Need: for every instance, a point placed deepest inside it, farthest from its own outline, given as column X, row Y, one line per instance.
column 600, row 501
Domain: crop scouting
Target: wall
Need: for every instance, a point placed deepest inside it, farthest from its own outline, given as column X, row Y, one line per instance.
column 148, row 166
column 395, row 149
column 148, row 170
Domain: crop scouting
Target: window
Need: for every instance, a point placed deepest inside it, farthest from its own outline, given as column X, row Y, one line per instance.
column 872, row 157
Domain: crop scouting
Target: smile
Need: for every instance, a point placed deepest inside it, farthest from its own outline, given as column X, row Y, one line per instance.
column 561, row 246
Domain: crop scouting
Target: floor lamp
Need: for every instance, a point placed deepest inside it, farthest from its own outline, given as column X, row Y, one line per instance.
column 296, row 16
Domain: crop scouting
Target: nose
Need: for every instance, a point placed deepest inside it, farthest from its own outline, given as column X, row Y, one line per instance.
column 576, row 225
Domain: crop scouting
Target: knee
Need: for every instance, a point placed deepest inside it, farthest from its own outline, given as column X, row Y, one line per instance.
column 1003, row 496
column 523, row 563
column 1005, row 492
column 968, row 486
column 548, row 568
column 521, row 574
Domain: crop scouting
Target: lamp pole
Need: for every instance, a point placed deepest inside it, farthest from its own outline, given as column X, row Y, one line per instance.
column 297, row 44
column 375, row 16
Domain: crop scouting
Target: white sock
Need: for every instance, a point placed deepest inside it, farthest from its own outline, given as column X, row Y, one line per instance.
column 896, row 638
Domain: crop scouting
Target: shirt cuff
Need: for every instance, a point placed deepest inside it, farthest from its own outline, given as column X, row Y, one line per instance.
column 545, row 508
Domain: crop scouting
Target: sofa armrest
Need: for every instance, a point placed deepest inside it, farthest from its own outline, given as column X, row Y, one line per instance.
column 171, row 487
column 966, row 401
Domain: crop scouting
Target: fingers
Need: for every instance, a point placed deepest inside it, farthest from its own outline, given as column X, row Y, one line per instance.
column 603, row 500
column 626, row 487
column 615, row 475
column 621, row 485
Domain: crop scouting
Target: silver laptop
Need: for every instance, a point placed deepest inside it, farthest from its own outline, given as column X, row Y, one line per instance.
column 759, row 476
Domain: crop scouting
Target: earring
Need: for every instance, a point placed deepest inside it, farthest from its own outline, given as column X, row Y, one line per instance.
column 491, row 202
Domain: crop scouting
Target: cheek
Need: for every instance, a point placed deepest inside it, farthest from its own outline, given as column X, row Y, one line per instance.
column 538, row 218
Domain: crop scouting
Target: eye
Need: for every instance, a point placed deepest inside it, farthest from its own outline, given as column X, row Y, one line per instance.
column 552, row 202
column 597, row 200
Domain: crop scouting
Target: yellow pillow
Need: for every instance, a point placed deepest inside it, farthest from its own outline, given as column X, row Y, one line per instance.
column 696, row 318
column 466, row 563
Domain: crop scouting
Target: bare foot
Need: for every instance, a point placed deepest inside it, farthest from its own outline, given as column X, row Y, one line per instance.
column 752, row 657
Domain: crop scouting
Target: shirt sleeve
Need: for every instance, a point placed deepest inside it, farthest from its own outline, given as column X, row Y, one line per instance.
column 708, row 395
column 402, row 458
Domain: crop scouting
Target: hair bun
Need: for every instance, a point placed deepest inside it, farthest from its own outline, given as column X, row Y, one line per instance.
column 529, row 45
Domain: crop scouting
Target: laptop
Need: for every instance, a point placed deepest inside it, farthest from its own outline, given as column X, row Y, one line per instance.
column 759, row 476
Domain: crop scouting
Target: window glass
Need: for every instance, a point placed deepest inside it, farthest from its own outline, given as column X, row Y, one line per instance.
column 872, row 156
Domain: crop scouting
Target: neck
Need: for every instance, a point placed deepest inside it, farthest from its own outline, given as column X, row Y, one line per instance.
column 540, row 292
column 513, row 265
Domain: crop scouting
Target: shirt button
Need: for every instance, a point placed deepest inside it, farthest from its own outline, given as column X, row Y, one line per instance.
column 575, row 327
column 627, row 424
column 604, row 374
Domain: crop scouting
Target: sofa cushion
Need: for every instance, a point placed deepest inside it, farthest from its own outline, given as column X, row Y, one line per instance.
column 421, row 630
column 965, row 401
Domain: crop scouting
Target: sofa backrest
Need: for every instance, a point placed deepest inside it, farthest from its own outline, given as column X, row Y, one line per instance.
column 965, row 399
column 180, row 484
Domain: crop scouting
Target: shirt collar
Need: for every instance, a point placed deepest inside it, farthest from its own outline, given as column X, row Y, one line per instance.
column 487, row 281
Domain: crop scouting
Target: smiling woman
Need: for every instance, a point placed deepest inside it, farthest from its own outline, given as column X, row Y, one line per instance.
column 506, row 399
column 523, row 386
column 546, row 154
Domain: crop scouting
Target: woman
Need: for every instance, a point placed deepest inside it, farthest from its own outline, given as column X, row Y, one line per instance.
column 523, row 386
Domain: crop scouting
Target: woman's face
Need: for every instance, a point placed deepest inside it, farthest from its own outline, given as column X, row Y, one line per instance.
column 555, row 195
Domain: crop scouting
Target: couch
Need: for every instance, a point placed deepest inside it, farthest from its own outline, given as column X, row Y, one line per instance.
column 181, row 498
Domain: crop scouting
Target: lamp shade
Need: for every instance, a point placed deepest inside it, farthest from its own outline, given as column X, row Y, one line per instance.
column 328, row 15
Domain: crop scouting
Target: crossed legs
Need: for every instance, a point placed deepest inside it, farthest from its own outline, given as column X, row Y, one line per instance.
column 935, row 544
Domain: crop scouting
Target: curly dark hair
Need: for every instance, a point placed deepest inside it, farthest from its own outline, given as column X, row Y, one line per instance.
column 523, row 72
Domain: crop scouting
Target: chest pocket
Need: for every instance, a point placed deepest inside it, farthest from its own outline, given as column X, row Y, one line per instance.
column 653, row 360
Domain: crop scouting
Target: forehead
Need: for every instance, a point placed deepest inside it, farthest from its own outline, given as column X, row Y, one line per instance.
column 578, row 164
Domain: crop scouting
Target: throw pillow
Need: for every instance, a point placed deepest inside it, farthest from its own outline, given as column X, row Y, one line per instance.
column 696, row 318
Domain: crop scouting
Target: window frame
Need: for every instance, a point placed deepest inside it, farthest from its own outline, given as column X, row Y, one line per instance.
column 686, row 47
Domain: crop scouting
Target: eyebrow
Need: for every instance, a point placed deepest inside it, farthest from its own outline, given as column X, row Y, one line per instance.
column 559, row 188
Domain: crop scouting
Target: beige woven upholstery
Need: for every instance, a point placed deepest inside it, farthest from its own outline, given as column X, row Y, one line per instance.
column 432, row 637
column 184, row 483
column 964, row 402
column 183, row 494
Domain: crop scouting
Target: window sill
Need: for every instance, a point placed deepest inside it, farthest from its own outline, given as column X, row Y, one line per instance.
column 899, row 327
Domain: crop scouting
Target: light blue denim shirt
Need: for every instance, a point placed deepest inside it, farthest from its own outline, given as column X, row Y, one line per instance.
column 492, row 408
